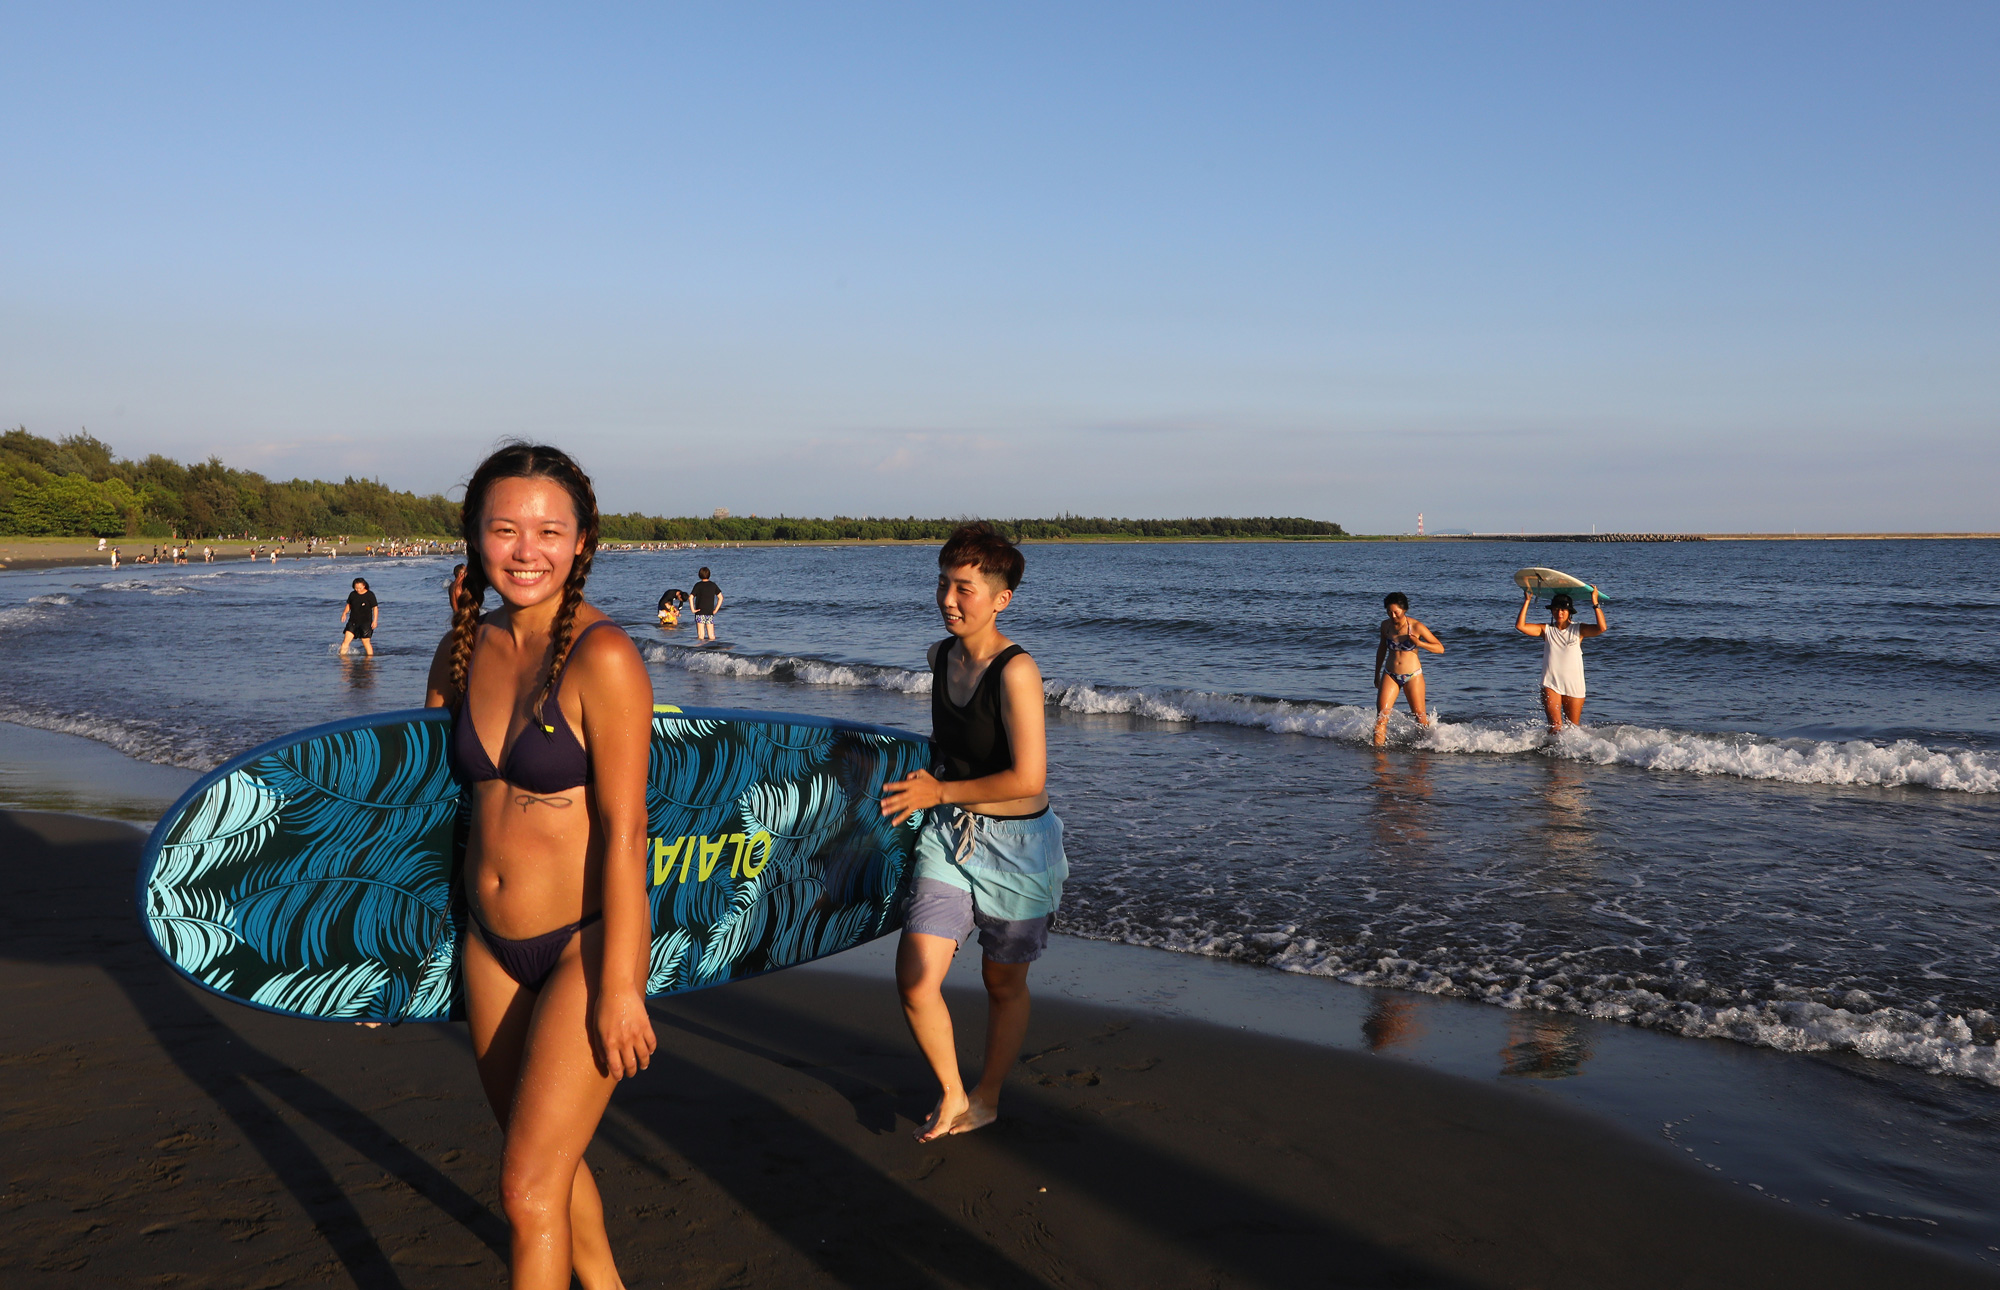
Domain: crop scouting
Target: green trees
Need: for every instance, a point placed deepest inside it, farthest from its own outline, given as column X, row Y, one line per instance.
column 76, row 487
column 635, row 527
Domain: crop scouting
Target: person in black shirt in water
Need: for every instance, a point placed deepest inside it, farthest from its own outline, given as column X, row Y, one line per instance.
column 707, row 599
column 671, row 605
column 361, row 614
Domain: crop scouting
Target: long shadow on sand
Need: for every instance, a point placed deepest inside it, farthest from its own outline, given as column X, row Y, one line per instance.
column 1246, row 1235
column 76, row 910
column 854, row 1217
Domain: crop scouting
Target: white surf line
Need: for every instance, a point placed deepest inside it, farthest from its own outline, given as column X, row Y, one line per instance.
column 1903, row 764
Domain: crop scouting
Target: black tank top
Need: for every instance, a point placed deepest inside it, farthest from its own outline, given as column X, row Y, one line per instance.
column 971, row 741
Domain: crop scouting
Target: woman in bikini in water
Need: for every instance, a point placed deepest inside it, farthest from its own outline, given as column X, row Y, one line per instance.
column 553, row 722
column 1396, row 646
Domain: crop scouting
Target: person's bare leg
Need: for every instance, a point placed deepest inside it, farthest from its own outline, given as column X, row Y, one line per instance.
column 1385, row 699
column 501, row 1013
column 589, row 1243
column 1552, row 705
column 346, row 639
column 558, row 1100
column 921, row 963
column 1414, row 692
column 1006, row 1030
column 1573, row 709
column 497, row 1011
column 368, row 643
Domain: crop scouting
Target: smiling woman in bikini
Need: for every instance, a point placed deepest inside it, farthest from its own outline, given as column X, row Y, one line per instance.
column 552, row 726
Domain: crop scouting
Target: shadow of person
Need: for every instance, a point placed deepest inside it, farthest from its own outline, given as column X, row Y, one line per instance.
column 1567, row 834
column 1543, row 1045
column 1400, row 811
column 69, row 893
column 358, row 670
column 1109, row 1190
column 1391, row 1022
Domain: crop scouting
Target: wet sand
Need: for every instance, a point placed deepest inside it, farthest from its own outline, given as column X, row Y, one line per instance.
column 155, row 1134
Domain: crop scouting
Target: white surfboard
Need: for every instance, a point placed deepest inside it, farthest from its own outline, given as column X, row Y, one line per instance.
column 1547, row 582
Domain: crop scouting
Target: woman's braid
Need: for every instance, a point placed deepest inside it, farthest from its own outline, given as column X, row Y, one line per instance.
column 563, row 633
column 466, row 612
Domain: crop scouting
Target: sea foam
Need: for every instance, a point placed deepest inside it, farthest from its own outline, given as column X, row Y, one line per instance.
column 1858, row 763
column 1943, row 1042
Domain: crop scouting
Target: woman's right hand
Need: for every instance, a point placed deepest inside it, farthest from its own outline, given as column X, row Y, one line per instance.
column 624, row 1033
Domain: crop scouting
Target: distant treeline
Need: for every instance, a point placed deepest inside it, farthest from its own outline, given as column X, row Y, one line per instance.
column 750, row 528
column 74, row 487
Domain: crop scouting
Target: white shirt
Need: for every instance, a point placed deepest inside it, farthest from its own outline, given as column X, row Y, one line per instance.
column 1562, row 659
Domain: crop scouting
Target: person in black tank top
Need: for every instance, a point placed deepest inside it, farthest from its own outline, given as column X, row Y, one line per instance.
column 989, row 855
column 971, row 741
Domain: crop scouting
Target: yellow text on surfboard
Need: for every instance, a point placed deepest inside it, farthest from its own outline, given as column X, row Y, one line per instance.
column 699, row 856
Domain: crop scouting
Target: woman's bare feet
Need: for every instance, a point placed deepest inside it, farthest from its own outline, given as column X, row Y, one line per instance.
column 945, row 1116
column 977, row 1115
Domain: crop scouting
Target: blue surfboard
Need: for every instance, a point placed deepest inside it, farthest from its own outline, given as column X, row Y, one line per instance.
column 318, row 875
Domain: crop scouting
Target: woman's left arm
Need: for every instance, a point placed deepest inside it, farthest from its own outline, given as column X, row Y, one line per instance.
column 1601, row 626
column 618, row 723
column 1427, row 639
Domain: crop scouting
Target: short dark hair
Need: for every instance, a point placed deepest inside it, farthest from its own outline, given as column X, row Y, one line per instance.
column 704, row 571
column 361, row 583
column 1396, row 598
column 986, row 547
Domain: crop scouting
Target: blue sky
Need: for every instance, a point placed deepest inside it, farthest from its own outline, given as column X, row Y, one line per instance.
column 1516, row 266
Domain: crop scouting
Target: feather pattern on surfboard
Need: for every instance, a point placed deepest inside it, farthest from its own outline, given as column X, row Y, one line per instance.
column 319, row 875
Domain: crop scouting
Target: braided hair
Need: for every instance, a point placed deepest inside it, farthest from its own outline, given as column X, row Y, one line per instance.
column 522, row 461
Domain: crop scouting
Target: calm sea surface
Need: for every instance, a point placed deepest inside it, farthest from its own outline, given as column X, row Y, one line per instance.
column 1779, row 825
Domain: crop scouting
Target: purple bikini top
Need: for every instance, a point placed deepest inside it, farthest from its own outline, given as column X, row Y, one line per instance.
column 551, row 763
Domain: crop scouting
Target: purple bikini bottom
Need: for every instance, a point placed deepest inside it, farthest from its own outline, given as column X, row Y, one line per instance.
column 531, row 960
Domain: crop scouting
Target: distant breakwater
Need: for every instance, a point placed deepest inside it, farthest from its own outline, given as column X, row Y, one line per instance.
column 1571, row 537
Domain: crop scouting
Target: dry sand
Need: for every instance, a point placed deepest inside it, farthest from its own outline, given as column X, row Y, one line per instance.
column 51, row 553
column 156, row 1135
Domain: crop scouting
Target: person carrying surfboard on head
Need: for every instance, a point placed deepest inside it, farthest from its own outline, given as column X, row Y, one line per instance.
column 551, row 732
column 990, row 854
column 1398, row 667
column 1562, row 654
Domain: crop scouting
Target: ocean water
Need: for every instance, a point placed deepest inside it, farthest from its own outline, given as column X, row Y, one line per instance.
column 1778, row 825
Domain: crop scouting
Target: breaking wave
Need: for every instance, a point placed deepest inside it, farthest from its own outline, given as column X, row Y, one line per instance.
column 186, row 747
column 1853, row 763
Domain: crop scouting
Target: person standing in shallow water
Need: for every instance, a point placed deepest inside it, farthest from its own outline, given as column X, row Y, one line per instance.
column 1562, row 654
column 990, row 854
column 360, row 614
column 707, row 599
column 1397, row 664
column 551, row 732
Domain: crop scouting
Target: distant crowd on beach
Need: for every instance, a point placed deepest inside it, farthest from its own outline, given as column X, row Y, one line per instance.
column 310, row 548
